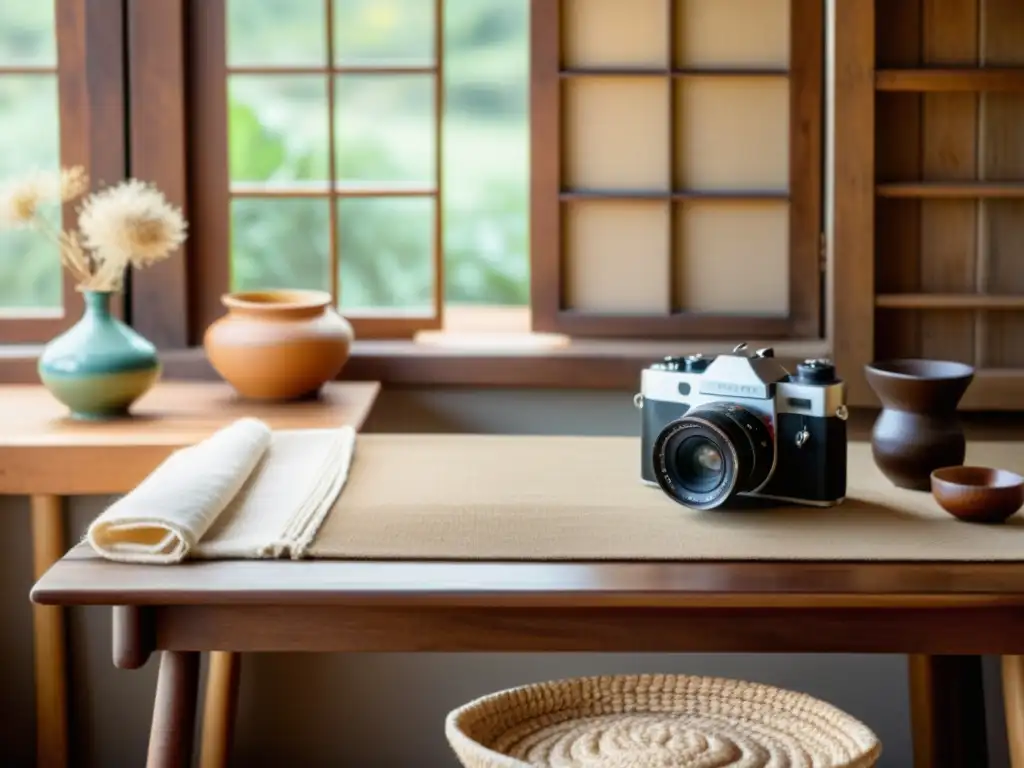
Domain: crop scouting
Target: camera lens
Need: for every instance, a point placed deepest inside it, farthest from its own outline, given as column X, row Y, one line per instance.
column 714, row 452
column 699, row 464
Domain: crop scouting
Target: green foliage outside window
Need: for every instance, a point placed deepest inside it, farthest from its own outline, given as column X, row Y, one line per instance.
column 384, row 244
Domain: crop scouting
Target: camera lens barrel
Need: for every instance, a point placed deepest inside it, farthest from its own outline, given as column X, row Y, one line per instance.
column 703, row 459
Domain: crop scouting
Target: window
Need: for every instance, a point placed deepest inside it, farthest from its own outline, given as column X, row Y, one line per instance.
column 377, row 149
column 677, row 168
column 60, row 102
column 604, row 170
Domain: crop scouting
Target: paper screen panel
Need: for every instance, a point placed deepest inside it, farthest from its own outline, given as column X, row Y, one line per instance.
column 732, row 33
column 733, row 133
column 733, row 257
column 607, row 33
column 616, row 133
column 617, row 256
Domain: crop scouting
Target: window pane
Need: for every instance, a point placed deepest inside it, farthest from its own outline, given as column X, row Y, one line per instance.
column 383, row 31
column 278, row 243
column 385, row 128
column 278, row 128
column 30, row 271
column 277, row 32
column 386, row 255
column 29, row 131
column 30, row 276
column 486, row 152
column 27, row 33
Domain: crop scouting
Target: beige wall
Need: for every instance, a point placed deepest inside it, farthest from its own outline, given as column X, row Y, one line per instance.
column 384, row 710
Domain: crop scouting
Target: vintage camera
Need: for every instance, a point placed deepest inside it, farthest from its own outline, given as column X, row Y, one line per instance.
column 714, row 427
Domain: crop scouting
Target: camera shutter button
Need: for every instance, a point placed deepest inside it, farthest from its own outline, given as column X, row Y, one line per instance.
column 695, row 363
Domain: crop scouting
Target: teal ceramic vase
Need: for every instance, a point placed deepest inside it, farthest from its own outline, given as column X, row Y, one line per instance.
column 99, row 366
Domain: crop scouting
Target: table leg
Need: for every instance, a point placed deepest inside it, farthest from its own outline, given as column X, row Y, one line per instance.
column 947, row 712
column 48, row 546
column 1013, row 703
column 219, row 709
column 174, row 711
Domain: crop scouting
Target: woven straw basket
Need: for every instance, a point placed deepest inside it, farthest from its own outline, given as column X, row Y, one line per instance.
column 668, row 721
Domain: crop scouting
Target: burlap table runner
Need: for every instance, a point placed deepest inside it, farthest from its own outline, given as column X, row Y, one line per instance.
column 471, row 497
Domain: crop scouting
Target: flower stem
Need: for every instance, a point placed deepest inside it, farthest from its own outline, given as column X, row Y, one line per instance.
column 70, row 252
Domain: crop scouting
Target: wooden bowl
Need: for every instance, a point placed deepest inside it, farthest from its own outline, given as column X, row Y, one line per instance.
column 978, row 494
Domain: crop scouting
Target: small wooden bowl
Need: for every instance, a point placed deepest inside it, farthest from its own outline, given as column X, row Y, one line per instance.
column 978, row 494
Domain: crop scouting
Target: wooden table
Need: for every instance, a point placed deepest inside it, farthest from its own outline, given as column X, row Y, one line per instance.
column 255, row 606
column 47, row 456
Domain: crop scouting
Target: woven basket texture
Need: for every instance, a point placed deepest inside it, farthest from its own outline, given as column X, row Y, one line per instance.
column 662, row 721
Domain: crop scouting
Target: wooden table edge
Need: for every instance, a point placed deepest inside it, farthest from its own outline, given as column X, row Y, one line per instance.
column 539, row 600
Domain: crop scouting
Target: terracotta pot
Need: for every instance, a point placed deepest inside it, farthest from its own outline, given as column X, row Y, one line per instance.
column 918, row 430
column 278, row 345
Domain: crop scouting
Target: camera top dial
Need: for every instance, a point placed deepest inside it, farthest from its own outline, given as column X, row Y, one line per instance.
column 815, row 371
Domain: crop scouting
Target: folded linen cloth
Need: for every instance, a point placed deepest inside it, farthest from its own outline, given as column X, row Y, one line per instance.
column 244, row 492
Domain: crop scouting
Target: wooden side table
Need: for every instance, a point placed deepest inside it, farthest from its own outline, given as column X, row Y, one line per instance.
column 47, row 456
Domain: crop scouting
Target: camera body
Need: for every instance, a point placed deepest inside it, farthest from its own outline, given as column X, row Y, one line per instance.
column 714, row 427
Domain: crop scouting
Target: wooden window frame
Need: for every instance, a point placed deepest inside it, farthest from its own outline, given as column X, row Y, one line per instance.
column 210, row 191
column 91, row 108
column 805, row 196
column 104, row 44
column 172, row 302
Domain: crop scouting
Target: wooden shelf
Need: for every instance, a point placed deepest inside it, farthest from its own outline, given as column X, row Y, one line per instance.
column 949, row 80
column 925, row 190
column 966, row 301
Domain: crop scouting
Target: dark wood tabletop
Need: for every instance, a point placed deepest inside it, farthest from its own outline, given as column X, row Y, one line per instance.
column 452, row 606
column 941, row 614
column 83, row 578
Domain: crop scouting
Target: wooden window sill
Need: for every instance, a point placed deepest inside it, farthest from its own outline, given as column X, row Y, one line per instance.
column 473, row 360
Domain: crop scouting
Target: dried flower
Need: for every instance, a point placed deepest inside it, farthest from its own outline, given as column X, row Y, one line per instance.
column 73, row 183
column 131, row 223
column 21, row 200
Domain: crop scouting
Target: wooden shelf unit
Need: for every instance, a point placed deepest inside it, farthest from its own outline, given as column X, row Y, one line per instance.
column 929, row 228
